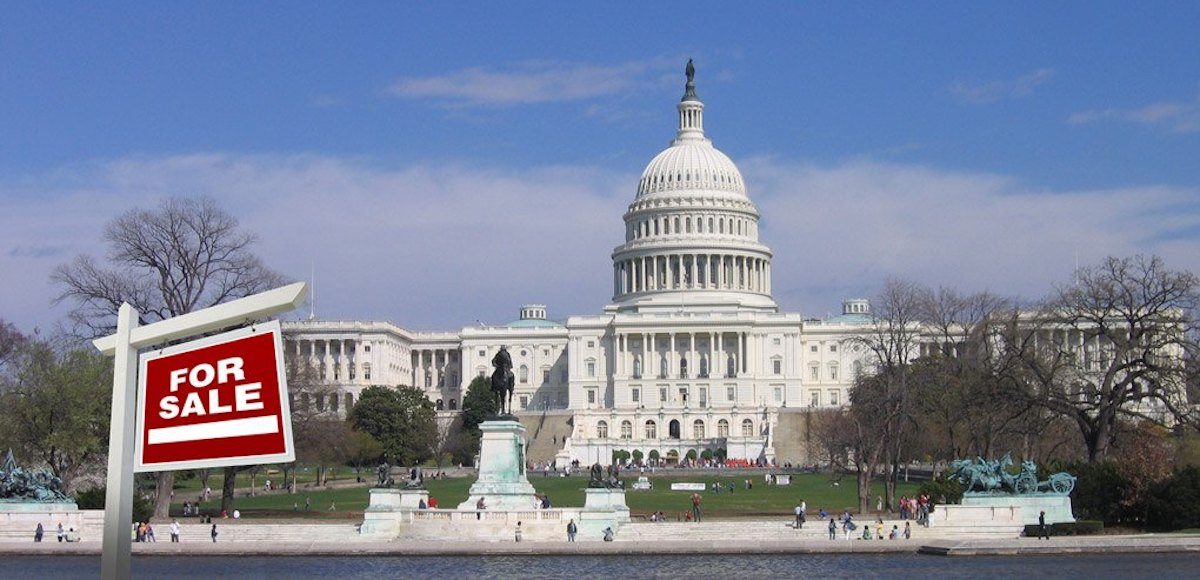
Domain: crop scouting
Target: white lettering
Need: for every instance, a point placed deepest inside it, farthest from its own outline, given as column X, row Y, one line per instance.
column 177, row 378
column 247, row 397
column 170, row 407
column 208, row 374
column 230, row 367
column 214, row 403
column 192, row 405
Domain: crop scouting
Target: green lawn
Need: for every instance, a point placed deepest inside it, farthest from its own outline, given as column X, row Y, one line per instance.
column 762, row 500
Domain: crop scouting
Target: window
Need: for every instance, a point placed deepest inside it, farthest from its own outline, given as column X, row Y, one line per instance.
column 482, row 353
column 626, row 430
column 833, row 371
column 320, row 403
column 777, row 365
column 730, row 393
column 366, row 371
column 662, row 394
column 651, row 430
column 524, row 353
column 366, row 347
column 683, row 395
column 602, row 429
column 814, row 372
column 778, row 394
column 523, row 373
column 777, row 341
column 637, row 367
column 524, row 402
column 591, row 396
column 591, row 344
column 703, row 397
column 747, row 428
column 698, row 429
column 333, row 403
column 833, row 398
column 833, row 348
column 722, row 428
column 439, row 405
column 636, row 395
column 812, row 348
column 591, row 367
column 453, row 404
column 814, row 399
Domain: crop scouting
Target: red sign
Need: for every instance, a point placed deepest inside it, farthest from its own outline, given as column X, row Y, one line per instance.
column 219, row 401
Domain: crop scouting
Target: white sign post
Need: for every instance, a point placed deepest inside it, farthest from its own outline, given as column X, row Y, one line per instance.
column 124, row 345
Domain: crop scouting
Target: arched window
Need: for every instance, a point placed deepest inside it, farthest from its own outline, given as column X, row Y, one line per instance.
column 673, row 429
column 722, row 428
column 637, row 367
column 651, row 430
column 602, row 430
column 683, row 367
column 698, row 429
column 524, row 374
column 626, row 430
column 704, row 365
column 747, row 428
column 349, row 401
column 439, row 404
column 453, row 404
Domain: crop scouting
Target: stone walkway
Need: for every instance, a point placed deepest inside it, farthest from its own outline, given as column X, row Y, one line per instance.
column 1149, row 543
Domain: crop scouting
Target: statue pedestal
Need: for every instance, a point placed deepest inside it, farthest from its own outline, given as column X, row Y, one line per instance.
column 602, row 508
column 1056, row 506
column 502, row 481
column 19, row 519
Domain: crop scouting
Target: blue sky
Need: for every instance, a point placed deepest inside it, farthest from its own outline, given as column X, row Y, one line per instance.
column 370, row 138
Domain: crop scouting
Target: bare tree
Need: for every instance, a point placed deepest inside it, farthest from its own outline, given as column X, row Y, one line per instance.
column 891, row 342
column 184, row 255
column 1114, row 345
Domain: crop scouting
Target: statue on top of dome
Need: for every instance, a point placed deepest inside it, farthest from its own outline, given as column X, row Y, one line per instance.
column 690, row 71
column 689, row 91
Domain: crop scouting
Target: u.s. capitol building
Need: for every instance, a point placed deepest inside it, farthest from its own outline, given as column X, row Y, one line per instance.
column 692, row 354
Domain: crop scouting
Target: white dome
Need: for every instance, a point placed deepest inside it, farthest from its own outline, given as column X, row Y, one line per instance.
column 691, row 165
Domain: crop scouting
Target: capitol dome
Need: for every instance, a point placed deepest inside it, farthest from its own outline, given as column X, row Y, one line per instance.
column 691, row 233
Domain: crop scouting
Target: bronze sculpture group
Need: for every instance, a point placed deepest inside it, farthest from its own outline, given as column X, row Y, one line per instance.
column 20, row 485
column 982, row 476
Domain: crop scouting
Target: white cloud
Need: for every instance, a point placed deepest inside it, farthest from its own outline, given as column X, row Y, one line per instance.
column 441, row 246
column 533, row 82
column 982, row 92
column 1173, row 116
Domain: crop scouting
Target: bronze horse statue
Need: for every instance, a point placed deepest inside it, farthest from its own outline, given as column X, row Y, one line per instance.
column 503, row 380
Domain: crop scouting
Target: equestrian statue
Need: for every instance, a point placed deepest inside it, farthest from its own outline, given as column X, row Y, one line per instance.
column 502, row 381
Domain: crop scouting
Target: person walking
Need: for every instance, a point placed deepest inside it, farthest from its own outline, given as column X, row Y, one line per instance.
column 174, row 531
column 832, row 529
column 37, row 533
column 907, row 530
column 572, row 529
column 1043, row 529
column 518, row 534
column 213, row 533
column 150, row 533
column 696, row 507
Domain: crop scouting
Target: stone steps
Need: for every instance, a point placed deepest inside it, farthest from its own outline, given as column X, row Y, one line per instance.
column 771, row 531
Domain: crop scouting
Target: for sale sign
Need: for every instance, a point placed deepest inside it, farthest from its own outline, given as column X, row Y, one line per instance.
column 219, row 401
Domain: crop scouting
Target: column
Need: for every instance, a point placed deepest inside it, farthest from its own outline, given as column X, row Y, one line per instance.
column 693, row 364
column 694, row 279
column 672, row 363
column 719, row 360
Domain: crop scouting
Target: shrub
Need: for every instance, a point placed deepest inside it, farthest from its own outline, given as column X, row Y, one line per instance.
column 93, row 499
column 1174, row 503
column 691, row 455
column 942, row 486
column 637, row 455
column 1077, row 528
column 706, row 455
column 1100, row 492
column 654, row 456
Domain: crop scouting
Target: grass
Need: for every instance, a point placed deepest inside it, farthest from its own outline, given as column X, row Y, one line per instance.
column 762, row 500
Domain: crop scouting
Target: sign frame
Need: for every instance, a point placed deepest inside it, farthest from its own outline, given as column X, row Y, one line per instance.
column 289, row 453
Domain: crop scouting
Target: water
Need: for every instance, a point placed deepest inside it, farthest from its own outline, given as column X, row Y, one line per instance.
column 820, row 565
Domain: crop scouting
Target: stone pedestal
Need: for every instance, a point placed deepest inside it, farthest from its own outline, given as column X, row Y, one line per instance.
column 381, row 516
column 502, row 481
column 1056, row 506
column 602, row 508
column 19, row 519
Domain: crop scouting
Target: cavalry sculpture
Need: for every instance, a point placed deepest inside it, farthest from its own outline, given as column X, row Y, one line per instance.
column 19, row 485
column 982, row 476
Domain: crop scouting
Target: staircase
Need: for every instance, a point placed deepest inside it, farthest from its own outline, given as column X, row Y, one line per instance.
column 546, row 431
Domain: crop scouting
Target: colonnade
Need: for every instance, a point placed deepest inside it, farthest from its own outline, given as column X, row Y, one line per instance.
column 692, row 271
column 724, row 354
column 435, row 368
column 336, row 359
